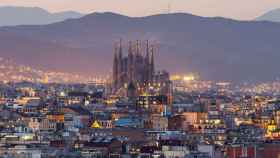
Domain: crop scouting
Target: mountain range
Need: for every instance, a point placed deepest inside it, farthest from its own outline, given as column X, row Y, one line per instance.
column 216, row 48
column 273, row 15
column 11, row 16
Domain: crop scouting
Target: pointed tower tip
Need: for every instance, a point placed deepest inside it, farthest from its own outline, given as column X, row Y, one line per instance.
column 152, row 55
column 115, row 47
column 120, row 48
column 137, row 47
column 147, row 49
column 130, row 50
column 120, row 42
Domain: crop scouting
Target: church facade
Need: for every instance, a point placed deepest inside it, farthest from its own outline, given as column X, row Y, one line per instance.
column 135, row 68
column 134, row 71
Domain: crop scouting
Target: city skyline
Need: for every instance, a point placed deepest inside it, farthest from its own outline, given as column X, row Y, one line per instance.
column 110, row 79
column 242, row 10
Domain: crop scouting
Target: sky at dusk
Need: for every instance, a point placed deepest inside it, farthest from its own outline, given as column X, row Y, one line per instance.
column 237, row 9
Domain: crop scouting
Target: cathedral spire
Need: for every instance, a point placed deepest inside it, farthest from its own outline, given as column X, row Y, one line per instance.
column 120, row 49
column 130, row 49
column 130, row 61
column 152, row 60
column 115, row 67
column 148, row 77
column 115, row 53
column 137, row 47
column 120, row 57
column 120, row 65
column 147, row 52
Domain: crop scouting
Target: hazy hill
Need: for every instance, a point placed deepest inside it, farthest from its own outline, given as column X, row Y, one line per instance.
column 217, row 48
column 11, row 16
column 273, row 16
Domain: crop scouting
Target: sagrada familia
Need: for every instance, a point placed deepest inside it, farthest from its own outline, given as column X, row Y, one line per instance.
column 135, row 77
column 135, row 68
